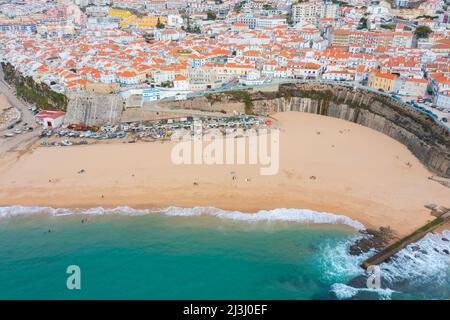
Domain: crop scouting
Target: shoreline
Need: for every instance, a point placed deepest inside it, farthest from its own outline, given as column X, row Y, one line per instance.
column 91, row 198
column 358, row 172
column 281, row 217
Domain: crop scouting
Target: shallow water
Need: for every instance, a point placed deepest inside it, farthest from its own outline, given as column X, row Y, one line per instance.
column 185, row 254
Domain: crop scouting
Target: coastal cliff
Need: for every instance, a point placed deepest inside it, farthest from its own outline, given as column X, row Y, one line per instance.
column 425, row 138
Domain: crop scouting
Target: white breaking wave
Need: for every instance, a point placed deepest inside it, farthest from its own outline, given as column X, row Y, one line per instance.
column 421, row 269
column 338, row 264
column 291, row 215
column 11, row 211
column 343, row 291
column 282, row 214
column 423, row 265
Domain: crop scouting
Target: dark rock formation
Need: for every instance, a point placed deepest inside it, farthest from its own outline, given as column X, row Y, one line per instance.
column 372, row 239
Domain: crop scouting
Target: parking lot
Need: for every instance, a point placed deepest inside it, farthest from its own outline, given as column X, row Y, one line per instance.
column 152, row 131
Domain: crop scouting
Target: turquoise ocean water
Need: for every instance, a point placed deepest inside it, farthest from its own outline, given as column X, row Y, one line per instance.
column 183, row 254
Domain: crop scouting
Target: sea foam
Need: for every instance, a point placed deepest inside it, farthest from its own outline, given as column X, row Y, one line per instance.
column 281, row 214
column 337, row 263
column 421, row 264
column 291, row 215
column 343, row 291
column 421, row 269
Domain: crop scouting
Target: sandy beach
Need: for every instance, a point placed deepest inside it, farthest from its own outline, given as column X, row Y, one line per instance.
column 326, row 164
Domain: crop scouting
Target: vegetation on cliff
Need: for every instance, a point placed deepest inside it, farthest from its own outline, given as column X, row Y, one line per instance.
column 325, row 97
column 245, row 97
column 33, row 92
column 239, row 96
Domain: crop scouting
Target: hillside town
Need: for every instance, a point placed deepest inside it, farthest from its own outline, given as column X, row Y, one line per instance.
column 175, row 49
column 205, row 150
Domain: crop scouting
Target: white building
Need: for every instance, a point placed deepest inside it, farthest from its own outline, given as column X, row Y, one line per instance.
column 50, row 118
column 180, row 82
column 280, row 73
column 411, row 87
column 270, row 22
column 129, row 78
column 169, row 34
column 338, row 75
column 330, row 10
column 442, row 99
column 401, row 3
column 174, row 20
column 108, row 78
column 253, row 78
column 309, row 11
column 304, row 70
column 151, row 94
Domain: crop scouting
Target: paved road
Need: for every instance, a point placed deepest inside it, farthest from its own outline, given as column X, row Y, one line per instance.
column 24, row 140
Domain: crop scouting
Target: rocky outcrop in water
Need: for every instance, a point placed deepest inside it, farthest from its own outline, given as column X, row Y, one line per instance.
column 372, row 239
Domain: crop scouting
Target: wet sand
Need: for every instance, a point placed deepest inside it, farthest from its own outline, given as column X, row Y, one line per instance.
column 326, row 164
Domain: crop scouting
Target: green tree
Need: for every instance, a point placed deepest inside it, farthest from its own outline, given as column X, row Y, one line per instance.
column 211, row 15
column 362, row 23
column 238, row 6
column 422, row 32
column 159, row 24
column 389, row 26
